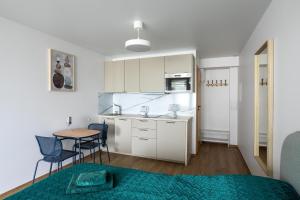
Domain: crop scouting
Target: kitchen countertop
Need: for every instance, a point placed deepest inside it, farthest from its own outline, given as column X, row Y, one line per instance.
column 152, row 117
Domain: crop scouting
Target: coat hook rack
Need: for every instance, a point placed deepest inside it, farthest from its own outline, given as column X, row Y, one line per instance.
column 217, row 83
column 263, row 82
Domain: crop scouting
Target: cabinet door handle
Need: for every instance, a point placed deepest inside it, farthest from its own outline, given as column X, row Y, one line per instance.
column 170, row 122
column 143, row 120
column 122, row 119
column 143, row 139
column 141, row 129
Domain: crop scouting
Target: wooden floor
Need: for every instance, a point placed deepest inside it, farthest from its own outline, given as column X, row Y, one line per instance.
column 213, row 159
column 263, row 153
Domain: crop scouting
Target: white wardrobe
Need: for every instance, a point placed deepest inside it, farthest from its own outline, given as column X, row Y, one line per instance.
column 219, row 104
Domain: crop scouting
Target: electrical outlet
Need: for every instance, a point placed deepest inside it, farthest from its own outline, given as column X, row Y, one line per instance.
column 69, row 120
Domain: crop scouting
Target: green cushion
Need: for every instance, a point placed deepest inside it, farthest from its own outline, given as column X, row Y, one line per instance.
column 73, row 188
column 91, row 178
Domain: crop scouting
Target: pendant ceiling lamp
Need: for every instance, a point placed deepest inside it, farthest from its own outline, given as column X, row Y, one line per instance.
column 138, row 45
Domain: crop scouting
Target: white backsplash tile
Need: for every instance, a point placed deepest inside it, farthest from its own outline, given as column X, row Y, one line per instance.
column 105, row 103
column 158, row 103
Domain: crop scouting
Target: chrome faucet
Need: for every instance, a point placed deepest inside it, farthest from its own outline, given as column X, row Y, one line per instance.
column 120, row 108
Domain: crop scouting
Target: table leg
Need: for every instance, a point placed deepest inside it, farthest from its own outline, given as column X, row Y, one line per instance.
column 79, row 150
column 74, row 149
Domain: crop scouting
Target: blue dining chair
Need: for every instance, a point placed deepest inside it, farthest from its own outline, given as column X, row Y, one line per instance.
column 96, row 141
column 52, row 150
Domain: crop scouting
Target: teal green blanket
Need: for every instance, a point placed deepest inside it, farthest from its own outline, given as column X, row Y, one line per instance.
column 134, row 184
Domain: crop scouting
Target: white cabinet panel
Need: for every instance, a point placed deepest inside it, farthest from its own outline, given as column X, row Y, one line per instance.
column 171, row 140
column 123, row 135
column 114, row 76
column 152, row 74
column 179, row 64
column 144, row 123
column 143, row 132
column 144, row 147
column 132, row 75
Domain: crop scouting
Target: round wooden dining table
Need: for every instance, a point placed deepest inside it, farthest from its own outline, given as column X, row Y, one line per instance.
column 76, row 134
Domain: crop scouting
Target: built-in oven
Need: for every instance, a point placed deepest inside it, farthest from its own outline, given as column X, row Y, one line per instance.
column 178, row 82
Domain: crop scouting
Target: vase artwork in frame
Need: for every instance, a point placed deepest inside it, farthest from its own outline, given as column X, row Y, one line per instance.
column 61, row 71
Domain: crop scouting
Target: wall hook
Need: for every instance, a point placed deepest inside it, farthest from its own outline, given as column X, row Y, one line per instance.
column 263, row 82
column 207, row 84
column 226, row 83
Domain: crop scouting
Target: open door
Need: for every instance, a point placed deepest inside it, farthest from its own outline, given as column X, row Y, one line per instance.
column 198, row 108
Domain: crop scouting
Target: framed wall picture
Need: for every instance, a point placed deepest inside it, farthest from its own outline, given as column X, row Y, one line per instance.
column 61, row 71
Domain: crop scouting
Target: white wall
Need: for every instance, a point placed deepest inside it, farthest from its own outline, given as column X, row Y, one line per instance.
column 281, row 23
column 234, row 79
column 219, row 62
column 27, row 108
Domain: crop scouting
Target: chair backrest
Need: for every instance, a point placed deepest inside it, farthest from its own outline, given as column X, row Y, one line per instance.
column 49, row 146
column 103, row 128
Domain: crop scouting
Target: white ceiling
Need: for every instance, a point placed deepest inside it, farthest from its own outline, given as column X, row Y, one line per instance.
column 213, row 27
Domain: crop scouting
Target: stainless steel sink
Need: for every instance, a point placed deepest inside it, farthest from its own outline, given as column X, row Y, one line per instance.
column 112, row 114
column 151, row 116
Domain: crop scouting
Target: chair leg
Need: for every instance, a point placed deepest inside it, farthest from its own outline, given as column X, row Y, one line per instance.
column 94, row 155
column 36, row 166
column 81, row 154
column 58, row 167
column 74, row 157
column 100, row 157
column 107, row 153
column 50, row 169
column 91, row 153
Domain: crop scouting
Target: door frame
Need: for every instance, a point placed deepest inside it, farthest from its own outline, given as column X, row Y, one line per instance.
column 198, row 106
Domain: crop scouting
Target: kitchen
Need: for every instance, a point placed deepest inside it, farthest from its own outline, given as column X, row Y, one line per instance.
column 140, row 104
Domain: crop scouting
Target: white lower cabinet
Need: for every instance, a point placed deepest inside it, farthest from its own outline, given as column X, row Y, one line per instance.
column 144, row 147
column 144, row 138
column 160, row 139
column 143, row 132
column 171, row 141
column 123, row 135
column 110, row 121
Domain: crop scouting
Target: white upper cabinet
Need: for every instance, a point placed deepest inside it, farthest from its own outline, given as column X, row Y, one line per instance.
column 114, row 76
column 179, row 64
column 152, row 74
column 132, row 75
column 145, row 75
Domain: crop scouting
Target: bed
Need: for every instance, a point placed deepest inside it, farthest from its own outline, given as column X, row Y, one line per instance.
column 135, row 184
